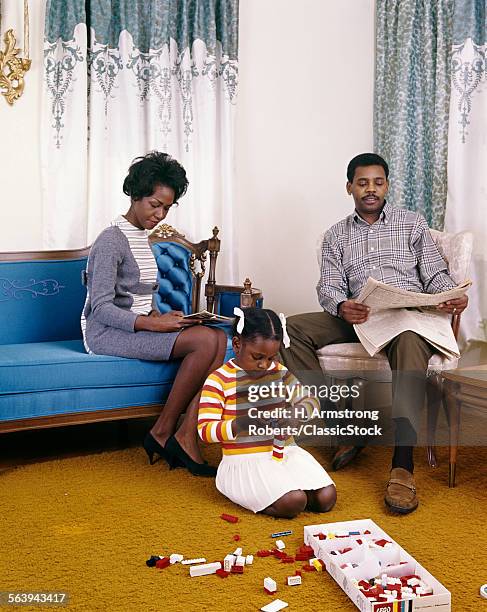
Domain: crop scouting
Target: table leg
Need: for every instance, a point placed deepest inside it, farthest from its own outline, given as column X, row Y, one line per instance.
column 454, row 409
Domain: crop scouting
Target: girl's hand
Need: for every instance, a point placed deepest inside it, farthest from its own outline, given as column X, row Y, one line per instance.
column 168, row 322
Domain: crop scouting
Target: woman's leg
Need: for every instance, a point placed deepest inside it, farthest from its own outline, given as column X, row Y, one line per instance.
column 202, row 350
column 287, row 506
column 321, row 500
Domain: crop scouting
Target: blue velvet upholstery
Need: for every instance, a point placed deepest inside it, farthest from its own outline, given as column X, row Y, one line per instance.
column 41, row 300
column 174, row 277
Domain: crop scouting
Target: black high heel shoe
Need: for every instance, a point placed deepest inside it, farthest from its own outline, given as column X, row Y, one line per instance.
column 197, row 469
column 152, row 446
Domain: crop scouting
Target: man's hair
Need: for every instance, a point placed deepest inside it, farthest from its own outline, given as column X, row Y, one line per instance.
column 259, row 323
column 154, row 169
column 366, row 159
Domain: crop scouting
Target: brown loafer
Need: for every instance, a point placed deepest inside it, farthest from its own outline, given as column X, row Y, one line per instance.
column 401, row 492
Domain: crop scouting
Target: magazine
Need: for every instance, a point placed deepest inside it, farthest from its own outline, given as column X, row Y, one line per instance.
column 208, row 317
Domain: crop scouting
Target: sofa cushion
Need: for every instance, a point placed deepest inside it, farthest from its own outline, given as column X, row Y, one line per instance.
column 47, row 366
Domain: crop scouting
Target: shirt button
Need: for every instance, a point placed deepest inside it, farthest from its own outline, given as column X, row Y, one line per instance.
column 372, row 249
column 385, row 222
column 371, row 231
column 374, row 267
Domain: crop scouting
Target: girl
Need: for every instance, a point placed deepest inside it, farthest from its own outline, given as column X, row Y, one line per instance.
column 261, row 473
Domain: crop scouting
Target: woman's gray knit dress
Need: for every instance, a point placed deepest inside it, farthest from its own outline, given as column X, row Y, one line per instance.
column 121, row 278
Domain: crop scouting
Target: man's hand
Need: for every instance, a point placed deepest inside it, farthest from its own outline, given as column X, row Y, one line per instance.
column 454, row 306
column 353, row 312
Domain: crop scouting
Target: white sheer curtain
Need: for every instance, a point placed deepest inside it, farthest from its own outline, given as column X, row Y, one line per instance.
column 153, row 75
column 467, row 152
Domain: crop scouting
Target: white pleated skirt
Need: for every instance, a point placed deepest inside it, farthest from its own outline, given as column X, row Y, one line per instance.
column 255, row 480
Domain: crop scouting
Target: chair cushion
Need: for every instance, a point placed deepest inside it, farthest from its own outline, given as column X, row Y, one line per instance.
column 352, row 357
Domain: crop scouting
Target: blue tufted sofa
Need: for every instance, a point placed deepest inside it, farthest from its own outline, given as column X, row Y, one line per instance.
column 46, row 377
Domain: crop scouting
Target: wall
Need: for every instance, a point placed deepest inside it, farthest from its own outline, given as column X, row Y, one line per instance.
column 20, row 174
column 304, row 109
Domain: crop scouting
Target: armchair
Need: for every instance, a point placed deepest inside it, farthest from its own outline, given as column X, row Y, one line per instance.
column 350, row 357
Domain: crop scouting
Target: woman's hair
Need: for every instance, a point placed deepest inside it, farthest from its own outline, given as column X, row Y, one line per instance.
column 259, row 322
column 154, row 169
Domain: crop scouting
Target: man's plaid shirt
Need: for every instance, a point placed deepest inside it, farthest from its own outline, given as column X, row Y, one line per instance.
column 397, row 249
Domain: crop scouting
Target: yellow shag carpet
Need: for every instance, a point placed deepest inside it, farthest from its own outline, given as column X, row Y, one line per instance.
column 87, row 524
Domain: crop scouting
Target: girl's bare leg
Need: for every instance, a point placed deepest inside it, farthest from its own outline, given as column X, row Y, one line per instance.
column 321, row 500
column 287, row 506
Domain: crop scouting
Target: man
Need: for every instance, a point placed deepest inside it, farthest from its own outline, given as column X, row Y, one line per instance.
column 392, row 245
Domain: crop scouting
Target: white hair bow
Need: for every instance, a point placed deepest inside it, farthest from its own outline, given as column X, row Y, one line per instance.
column 238, row 312
column 285, row 338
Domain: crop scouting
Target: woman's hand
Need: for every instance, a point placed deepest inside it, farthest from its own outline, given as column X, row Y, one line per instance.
column 168, row 322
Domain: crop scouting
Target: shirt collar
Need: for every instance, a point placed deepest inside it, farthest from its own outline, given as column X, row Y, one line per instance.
column 384, row 215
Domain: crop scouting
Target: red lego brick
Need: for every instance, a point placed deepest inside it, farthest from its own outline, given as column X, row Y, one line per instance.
column 229, row 518
column 298, row 573
column 237, row 569
column 236, row 537
column 264, row 553
column 163, row 563
column 287, row 560
column 222, row 573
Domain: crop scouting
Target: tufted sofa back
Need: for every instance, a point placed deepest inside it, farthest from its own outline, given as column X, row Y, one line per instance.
column 41, row 299
column 176, row 281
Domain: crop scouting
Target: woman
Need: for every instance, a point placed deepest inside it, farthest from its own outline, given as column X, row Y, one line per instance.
column 118, row 318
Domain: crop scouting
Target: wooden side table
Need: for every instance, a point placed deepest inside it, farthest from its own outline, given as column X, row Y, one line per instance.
column 462, row 387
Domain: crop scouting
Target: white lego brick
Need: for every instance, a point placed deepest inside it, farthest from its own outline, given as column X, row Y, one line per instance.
column 174, row 558
column 240, row 561
column 249, row 559
column 228, row 562
column 280, row 544
column 204, row 570
column 270, row 584
column 275, row 606
column 191, row 561
column 294, row 580
column 238, row 552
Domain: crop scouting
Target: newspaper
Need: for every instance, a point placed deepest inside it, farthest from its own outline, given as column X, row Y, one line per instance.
column 208, row 317
column 384, row 325
column 394, row 311
column 379, row 295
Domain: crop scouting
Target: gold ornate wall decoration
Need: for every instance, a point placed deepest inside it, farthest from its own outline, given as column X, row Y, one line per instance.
column 12, row 67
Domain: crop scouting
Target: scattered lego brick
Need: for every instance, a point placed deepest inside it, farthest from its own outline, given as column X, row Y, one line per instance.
column 229, row 518
column 281, row 534
column 270, row 586
column 205, row 569
column 275, row 606
column 191, row 561
column 294, row 580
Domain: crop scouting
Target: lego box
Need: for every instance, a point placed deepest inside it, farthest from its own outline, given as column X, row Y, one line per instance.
column 355, row 552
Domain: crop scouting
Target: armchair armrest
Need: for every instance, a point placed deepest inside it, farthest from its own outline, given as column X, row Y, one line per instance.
column 224, row 298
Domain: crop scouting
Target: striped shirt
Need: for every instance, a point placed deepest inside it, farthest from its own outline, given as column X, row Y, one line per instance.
column 138, row 240
column 397, row 250
column 225, row 396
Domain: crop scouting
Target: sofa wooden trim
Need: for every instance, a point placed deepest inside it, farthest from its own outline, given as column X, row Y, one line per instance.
column 81, row 418
column 39, row 255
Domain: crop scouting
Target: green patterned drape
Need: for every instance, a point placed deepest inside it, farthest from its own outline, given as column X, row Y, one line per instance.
column 412, row 101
